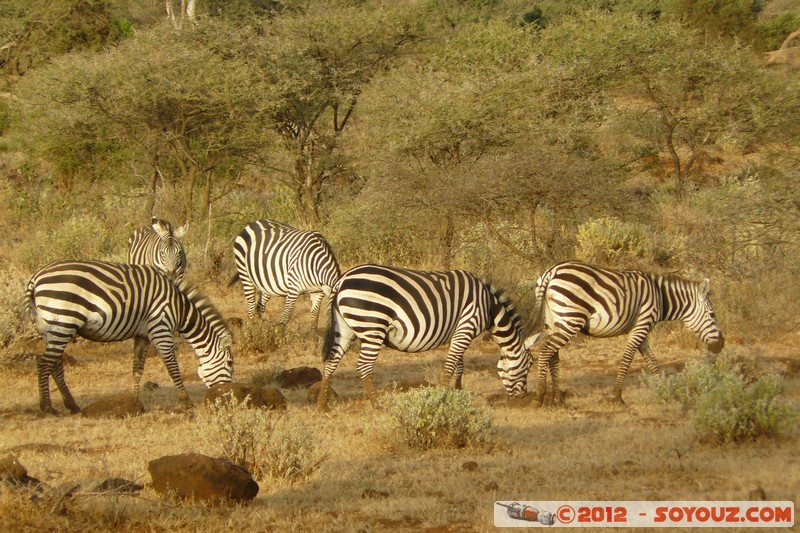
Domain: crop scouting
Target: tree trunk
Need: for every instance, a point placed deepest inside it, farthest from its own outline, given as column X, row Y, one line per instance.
column 449, row 239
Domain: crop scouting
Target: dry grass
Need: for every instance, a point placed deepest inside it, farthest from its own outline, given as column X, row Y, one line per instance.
column 591, row 450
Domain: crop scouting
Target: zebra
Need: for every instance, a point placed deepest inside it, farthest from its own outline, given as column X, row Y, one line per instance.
column 574, row 297
column 414, row 311
column 157, row 245
column 106, row 302
column 274, row 259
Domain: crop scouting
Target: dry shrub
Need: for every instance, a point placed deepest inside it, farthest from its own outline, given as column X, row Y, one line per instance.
column 730, row 400
column 261, row 335
column 435, row 417
column 267, row 443
column 611, row 241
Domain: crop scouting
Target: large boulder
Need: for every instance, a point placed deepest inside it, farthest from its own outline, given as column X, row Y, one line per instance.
column 119, row 406
column 302, row 376
column 201, row 478
column 266, row 397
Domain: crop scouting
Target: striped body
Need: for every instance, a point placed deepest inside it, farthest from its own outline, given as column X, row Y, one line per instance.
column 413, row 311
column 274, row 259
column 108, row 302
column 157, row 245
column 577, row 297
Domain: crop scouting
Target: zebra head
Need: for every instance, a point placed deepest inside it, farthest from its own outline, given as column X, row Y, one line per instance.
column 506, row 329
column 169, row 255
column 215, row 366
column 701, row 318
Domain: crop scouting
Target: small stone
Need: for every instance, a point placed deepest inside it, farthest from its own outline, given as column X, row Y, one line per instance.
column 374, row 494
column 470, row 466
column 491, row 486
column 118, row 484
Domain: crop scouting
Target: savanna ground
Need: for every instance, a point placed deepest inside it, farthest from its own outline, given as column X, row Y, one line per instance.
column 366, row 481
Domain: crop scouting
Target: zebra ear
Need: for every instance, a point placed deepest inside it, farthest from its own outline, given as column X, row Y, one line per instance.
column 705, row 287
column 180, row 232
column 530, row 341
column 225, row 341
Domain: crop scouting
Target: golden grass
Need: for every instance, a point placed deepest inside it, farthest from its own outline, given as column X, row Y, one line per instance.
column 591, row 450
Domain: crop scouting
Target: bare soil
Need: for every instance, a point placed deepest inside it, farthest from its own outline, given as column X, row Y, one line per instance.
column 590, row 450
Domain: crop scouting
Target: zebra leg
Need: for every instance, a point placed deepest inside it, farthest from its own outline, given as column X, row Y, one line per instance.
column 558, row 399
column 637, row 337
column 652, row 364
column 549, row 358
column 262, row 303
column 316, row 301
column 454, row 365
column 288, row 308
column 140, row 345
column 332, row 358
column 52, row 364
column 249, row 290
column 366, row 362
column 166, row 348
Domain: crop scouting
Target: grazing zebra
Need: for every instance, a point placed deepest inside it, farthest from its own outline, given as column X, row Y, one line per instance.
column 278, row 260
column 107, row 302
column 414, row 311
column 157, row 245
column 574, row 297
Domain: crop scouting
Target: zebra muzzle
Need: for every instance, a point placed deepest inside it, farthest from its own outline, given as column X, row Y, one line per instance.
column 716, row 346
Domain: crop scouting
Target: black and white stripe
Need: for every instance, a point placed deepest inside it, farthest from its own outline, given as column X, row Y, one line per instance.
column 274, row 259
column 158, row 245
column 574, row 297
column 108, row 302
column 413, row 311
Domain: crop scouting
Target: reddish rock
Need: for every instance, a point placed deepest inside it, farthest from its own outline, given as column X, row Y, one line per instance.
column 302, row 376
column 266, row 397
column 13, row 473
column 120, row 406
column 201, row 478
column 313, row 393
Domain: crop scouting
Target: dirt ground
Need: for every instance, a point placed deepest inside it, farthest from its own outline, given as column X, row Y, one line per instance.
column 590, row 450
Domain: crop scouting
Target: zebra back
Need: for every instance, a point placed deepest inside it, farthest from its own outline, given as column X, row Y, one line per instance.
column 158, row 245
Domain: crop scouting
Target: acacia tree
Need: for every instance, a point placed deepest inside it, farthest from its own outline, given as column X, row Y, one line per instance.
column 316, row 60
column 181, row 105
column 697, row 93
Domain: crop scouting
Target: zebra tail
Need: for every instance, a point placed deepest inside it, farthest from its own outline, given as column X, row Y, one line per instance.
column 27, row 308
column 233, row 280
column 330, row 329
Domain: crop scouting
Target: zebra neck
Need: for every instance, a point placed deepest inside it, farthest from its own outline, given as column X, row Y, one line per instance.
column 674, row 304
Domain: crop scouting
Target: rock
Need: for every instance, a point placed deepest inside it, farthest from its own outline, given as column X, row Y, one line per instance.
column 266, row 397
column 313, row 393
column 374, row 494
column 235, row 322
column 13, row 473
column 302, row 376
column 150, row 386
column 201, row 478
column 470, row 466
column 117, row 484
column 491, row 486
column 119, row 406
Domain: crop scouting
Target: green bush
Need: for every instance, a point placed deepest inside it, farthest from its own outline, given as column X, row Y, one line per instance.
column 729, row 401
column 435, row 417
column 267, row 443
column 611, row 241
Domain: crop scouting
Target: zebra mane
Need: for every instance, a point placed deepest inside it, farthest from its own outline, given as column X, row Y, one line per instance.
column 203, row 305
column 505, row 300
